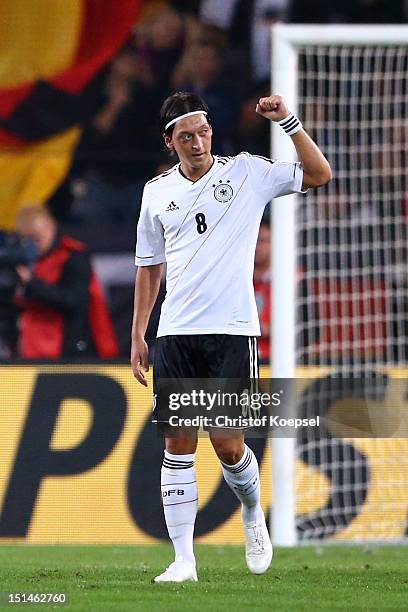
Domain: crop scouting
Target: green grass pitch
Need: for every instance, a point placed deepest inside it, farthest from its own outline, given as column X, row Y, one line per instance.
column 118, row 578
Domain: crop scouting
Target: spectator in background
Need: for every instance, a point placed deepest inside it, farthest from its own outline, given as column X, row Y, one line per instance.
column 119, row 148
column 163, row 44
column 248, row 24
column 63, row 311
column 262, row 286
column 200, row 71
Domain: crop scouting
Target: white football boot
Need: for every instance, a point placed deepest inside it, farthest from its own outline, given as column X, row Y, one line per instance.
column 258, row 547
column 178, row 571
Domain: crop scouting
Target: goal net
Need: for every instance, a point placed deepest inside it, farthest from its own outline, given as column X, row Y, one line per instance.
column 348, row 265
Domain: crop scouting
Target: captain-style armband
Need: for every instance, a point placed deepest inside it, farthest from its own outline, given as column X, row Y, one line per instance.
column 291, row 124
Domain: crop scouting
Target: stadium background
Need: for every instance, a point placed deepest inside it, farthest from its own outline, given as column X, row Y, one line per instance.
column 61, row 147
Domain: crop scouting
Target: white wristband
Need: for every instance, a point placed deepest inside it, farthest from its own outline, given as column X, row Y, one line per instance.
column 291, row 124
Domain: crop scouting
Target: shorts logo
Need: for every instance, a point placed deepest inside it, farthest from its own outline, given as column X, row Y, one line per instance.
column 223, row 192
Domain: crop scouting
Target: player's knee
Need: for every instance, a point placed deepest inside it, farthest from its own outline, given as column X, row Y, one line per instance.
column 181, row 446
column 228, row 451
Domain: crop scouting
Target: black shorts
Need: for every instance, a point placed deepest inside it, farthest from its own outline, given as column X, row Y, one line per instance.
column 204, row 356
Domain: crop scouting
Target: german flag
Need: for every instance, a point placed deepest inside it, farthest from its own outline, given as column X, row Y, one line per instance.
column 52, row 56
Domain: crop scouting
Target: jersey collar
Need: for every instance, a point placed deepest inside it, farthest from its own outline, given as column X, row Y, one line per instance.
column 201, row 177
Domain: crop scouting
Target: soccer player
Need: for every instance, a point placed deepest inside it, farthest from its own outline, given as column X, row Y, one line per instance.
column 202, row 218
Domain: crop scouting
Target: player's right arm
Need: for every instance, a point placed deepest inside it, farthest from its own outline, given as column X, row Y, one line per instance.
column 150, row 257
column 147, row 287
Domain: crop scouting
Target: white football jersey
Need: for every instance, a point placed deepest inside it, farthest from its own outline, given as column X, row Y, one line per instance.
column 206, row 232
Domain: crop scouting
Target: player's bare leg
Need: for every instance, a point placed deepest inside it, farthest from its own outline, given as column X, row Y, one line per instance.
column 180, row 503
column 241, row 473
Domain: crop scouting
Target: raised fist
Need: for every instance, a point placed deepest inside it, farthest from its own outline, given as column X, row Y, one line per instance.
column 273, row 108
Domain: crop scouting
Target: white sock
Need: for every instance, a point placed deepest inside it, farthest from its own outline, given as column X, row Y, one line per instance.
column 180, row 502
column 243, row 479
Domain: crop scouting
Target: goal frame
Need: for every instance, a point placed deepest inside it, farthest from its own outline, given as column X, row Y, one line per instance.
column 286, row 40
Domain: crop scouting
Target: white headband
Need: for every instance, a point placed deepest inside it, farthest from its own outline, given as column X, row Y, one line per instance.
column 199, row 112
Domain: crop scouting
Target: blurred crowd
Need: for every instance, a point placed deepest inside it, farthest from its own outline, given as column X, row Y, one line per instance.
column 222, row 55
column 171, row 49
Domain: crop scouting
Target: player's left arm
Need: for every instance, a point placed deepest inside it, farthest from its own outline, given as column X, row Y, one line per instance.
column 316, row 168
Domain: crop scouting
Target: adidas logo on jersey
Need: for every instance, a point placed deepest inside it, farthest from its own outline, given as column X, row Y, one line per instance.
column 172, row 206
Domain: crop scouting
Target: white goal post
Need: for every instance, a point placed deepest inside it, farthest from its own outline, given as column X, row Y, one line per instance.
column 381, row 51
